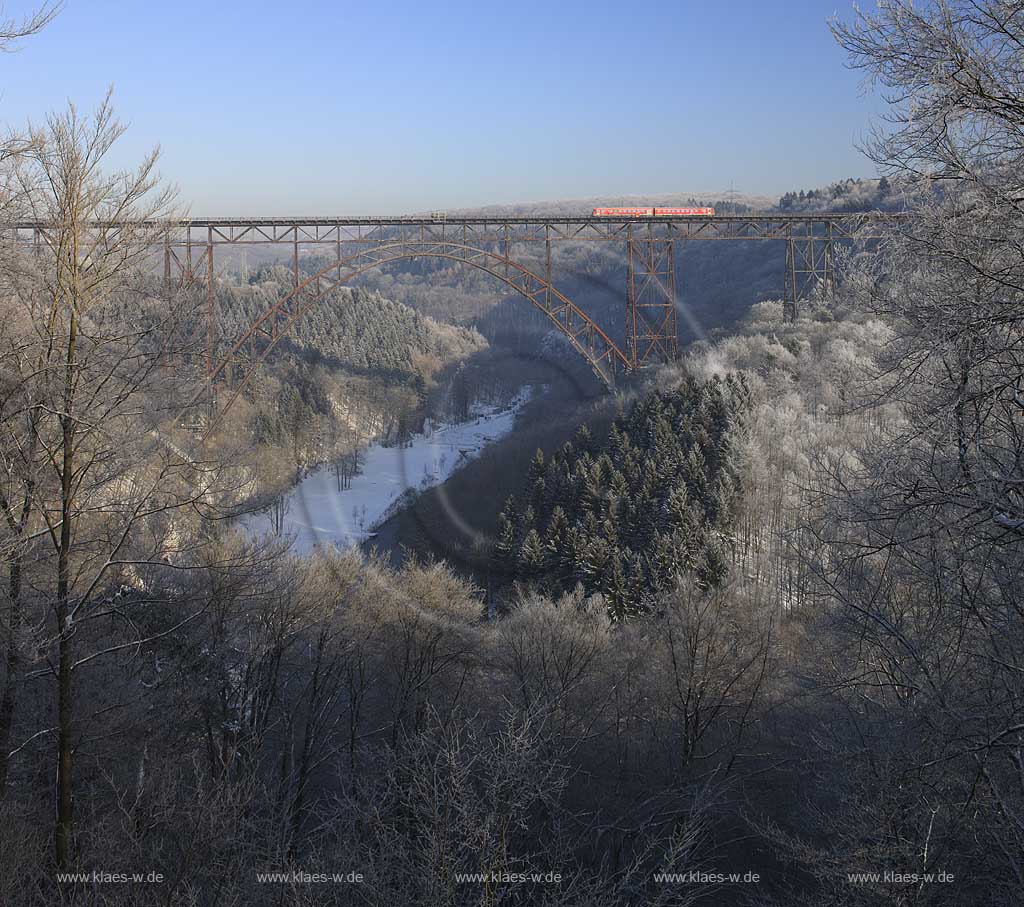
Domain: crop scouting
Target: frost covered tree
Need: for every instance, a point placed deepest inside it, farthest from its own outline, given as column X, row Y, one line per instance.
column 627, row 514
column 94, row 492
column 919, row 562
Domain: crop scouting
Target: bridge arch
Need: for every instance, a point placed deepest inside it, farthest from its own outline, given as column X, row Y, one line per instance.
column 587, row 338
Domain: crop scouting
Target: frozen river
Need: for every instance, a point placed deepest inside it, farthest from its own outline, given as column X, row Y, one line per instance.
column 319, row 514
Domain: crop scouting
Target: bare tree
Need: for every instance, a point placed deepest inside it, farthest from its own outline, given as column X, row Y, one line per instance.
column 918, row 574
column 15, row 501
column 13, row 29
column 102, row 504
column 953, row 277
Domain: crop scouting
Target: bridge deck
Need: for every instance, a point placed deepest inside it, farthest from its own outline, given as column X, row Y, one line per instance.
column 482, row 230
column 416, row 220
column 497, row 219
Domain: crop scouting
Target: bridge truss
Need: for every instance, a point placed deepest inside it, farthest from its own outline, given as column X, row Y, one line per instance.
column 515, row 250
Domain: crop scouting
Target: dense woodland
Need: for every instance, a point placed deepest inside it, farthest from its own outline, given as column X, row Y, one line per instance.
column 845, row 195
column 354, row 330
column 630, row 513
column 765, row 610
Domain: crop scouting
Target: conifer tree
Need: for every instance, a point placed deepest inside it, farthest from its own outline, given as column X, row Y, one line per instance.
column 629, row 517
column 531, row 555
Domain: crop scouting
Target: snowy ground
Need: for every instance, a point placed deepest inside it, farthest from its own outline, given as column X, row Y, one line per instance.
column 319, row 514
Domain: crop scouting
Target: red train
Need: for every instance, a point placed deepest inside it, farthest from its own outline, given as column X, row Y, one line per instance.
column 653, row 212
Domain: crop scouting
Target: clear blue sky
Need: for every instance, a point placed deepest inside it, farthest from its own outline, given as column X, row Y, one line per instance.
column 329, row 106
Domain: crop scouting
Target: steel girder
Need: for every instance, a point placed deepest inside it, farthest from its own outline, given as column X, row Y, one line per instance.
column 326, row 230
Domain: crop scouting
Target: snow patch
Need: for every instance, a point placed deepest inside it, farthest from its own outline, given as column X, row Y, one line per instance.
column 319, row 515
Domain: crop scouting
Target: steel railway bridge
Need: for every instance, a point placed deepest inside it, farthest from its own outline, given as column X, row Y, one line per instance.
column 515, row 250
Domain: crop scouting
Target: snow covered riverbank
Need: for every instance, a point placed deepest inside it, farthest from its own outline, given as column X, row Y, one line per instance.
column 317, row 513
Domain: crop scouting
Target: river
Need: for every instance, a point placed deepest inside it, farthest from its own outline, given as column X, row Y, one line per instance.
column 317, row 513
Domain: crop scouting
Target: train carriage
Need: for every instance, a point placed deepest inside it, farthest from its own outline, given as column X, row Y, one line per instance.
column 653, row 212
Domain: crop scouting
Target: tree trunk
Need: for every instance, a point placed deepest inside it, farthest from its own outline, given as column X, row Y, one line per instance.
column 12, row 661
column 65, row 710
